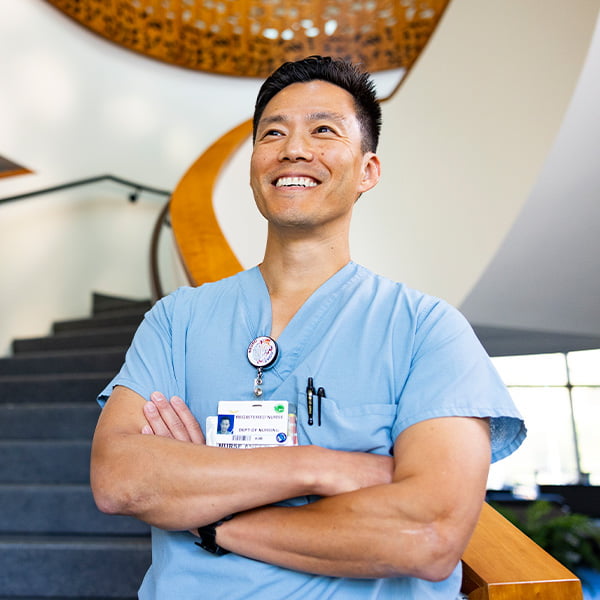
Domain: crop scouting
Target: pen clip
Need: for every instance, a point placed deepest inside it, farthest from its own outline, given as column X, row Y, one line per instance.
column 320, row 396
column 310, row 390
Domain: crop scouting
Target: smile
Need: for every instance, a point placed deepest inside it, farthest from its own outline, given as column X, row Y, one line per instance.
column 295, row 182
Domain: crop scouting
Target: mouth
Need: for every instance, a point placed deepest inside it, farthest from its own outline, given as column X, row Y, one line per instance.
column 302, row 182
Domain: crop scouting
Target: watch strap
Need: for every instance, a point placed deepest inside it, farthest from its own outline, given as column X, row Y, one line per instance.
column 208, row 537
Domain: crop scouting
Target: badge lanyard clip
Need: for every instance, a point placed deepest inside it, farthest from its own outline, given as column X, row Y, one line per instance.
column 262, row 354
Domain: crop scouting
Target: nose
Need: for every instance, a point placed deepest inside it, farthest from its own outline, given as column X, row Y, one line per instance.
column 295, row 147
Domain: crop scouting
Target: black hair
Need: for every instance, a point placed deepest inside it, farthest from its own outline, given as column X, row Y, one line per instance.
column 332, row 70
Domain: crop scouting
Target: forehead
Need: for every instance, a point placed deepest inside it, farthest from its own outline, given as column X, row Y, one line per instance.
column 310, row 98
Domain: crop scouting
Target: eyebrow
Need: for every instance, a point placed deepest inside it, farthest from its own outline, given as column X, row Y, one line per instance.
column 317, row 116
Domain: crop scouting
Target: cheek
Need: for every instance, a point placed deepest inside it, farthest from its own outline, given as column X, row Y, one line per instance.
column 258, row 167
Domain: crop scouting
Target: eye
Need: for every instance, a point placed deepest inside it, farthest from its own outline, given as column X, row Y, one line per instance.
column 272, row 133
column 324, row 129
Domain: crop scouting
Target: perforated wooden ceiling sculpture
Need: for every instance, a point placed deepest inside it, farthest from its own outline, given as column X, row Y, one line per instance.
column 252, row 37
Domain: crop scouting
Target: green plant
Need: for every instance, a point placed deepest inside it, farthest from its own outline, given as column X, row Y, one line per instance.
column 573, row 539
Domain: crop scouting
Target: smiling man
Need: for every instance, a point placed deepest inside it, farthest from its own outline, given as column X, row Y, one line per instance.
column 394, row 404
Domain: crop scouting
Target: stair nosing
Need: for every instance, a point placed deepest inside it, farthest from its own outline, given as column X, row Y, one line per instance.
column 41, row 377
column 87, row 540
column 83, row 332
column 67, row 353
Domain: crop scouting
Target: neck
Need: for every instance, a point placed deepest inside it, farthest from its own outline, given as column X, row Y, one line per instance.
column 294, row 270
column 301, row 266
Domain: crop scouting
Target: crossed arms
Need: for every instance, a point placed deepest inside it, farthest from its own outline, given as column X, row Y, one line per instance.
column 378, row 517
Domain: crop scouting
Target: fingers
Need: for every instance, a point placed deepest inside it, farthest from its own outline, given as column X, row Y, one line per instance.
column 155, row 412
column 192, row 427
column 171, row 419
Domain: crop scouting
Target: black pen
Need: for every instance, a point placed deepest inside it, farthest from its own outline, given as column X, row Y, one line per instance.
column 320, row 396
column 310, row 390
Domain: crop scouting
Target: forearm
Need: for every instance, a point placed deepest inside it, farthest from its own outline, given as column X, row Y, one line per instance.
column 177, row 485
column 418, row 525
column 365, row 534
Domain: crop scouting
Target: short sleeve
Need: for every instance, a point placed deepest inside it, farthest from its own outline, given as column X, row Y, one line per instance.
column 149, row 363
column 451, row 375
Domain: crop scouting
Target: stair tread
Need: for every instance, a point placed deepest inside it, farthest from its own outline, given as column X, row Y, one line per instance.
column 80, row 333
column 63, row 487
column 60, row 509
column 105, row 350
column 51, row 377
column 91, row 360
column 48, row 421
column 49, row 406
column 39, row 443
column 125, row 319
column 84, row 542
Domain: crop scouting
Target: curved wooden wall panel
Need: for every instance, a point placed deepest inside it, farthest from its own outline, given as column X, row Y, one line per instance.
column 204, row 251
column 252, row 37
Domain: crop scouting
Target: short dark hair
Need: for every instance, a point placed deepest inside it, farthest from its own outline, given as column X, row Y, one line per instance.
column 332, row 70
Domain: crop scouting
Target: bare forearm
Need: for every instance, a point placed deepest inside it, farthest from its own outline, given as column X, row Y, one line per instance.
column 169, row 482
column 366, row 534
column 175, row 485
column 418, row 525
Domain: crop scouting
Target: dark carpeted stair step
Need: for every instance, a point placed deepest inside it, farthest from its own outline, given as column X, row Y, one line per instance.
column 125, row 318
column 59, row 509
column 55, row 461
column 104, row 304
column 54, row 597
column 48, row 421
column 112, row 337
column 51, row 388
column 90, row 361
column 72, row 567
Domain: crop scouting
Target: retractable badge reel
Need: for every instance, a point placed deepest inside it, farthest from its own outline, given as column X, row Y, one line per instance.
column 262, row 354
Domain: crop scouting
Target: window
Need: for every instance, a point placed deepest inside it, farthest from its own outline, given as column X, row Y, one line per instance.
column 559, row 398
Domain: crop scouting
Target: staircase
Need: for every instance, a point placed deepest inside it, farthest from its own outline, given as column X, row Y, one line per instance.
column 54, row 543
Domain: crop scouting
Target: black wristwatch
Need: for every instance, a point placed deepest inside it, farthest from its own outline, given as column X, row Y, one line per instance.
column 208, row 537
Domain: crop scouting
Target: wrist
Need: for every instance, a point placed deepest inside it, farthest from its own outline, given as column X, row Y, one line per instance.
column 320, row 472
column 208, row 537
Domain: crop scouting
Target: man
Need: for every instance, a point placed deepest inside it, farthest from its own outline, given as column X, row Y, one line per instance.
column 382, row 493
column 224, row 425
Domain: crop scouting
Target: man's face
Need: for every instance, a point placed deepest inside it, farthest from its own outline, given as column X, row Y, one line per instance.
column 307, row 168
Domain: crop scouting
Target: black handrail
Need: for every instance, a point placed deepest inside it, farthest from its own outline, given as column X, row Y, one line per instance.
column 155, row 283
column 156, row 288
column 137, row 188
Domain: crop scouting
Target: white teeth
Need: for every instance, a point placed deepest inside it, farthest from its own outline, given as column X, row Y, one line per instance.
column 295, row 181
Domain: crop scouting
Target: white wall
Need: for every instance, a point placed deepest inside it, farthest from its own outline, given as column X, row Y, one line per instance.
column 73, row 105
column 463, row 143
column 556, row 238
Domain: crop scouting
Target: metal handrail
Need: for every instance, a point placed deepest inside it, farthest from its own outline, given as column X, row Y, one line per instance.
column 137, row 188
column 155, row 283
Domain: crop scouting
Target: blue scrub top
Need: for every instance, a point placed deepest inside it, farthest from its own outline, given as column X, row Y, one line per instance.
column 387, row 356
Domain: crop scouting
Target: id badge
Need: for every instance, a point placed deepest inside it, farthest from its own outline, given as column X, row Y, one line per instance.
column 251, row 425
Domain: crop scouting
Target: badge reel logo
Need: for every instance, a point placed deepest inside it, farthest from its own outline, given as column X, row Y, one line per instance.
column 262, row 354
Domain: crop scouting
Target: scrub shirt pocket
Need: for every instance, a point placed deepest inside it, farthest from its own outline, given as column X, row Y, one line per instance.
column 357, row 428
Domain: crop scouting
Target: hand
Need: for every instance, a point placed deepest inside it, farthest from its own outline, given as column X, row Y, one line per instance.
column 171, row 419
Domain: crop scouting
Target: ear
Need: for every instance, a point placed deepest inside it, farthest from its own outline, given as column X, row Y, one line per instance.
column 371, row 172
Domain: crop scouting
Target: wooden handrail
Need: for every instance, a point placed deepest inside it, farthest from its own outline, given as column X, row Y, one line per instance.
column 502, row 563
column 204, row 251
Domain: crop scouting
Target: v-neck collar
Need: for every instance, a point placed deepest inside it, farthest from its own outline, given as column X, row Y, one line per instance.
column 302, row 330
